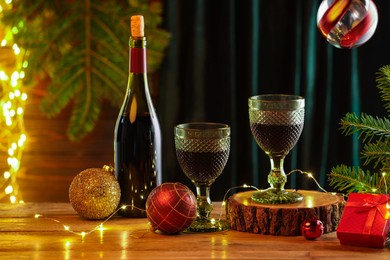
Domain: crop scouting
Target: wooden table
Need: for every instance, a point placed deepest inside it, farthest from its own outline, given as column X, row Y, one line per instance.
column 22, row 236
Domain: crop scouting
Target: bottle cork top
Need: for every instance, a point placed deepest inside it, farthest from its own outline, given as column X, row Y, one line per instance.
column 137, row 26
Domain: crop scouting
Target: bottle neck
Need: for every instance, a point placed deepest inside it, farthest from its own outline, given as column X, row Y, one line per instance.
column 138, row 63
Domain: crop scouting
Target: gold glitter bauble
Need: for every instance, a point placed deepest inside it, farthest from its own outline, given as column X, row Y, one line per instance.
column 95, row 193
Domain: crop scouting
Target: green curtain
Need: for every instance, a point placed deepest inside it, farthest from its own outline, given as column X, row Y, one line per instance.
column 223, row 52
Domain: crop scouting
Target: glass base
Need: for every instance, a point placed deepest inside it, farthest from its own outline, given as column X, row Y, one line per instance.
column 208, row 225
column 276, row 196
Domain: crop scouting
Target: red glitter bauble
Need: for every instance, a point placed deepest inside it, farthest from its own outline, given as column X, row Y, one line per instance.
column 312, row 228
column 171, row 207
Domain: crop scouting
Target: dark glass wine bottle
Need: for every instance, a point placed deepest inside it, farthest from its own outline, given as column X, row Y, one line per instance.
column 137, row 144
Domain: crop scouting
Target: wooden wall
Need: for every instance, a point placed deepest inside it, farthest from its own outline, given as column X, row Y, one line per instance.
column 50, row 161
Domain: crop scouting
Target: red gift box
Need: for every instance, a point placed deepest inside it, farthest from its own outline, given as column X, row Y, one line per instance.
column 365, row 220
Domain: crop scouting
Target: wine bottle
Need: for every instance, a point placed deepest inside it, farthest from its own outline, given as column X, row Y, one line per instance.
column 137, row 144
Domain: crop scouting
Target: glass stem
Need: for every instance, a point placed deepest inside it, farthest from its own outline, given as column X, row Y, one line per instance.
column 203, row 199
column 277, row 178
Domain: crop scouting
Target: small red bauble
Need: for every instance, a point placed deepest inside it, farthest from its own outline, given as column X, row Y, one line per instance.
column 312, row 228
column 171, row 207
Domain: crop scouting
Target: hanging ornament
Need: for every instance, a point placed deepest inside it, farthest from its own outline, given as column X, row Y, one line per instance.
column 347, row 23
column 95, row 193
column 312, row 228
column 171, row 207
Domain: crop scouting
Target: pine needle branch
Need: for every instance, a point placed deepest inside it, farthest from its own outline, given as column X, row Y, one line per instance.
column 375, row 133
column 349, row 179
column 367, row 126
column 379, row 153
column 383, row 83
column 82, row 47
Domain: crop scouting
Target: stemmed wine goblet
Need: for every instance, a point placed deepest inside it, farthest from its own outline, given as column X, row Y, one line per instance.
column 202, row 150
column 276, row 122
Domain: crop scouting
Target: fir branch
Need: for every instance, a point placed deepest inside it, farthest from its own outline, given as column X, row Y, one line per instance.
column 383, row 83
column 367, row 126
column 61, row 92
column 82, row 46
column 356, row 180
column 349, row 179
column 379, row 153
column 84, row 116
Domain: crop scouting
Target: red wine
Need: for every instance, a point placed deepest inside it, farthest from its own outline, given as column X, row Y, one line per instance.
column 276, row 138
column 135, row 161
column 202, row 167
column 137, row 142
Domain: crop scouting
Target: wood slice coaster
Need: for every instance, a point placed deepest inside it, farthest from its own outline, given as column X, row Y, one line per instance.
column 246, row 215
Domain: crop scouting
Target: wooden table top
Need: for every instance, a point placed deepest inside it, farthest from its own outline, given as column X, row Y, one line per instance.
column 22, row 236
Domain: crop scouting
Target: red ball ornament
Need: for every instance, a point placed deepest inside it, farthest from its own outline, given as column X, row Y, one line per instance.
column 171, row 207
column 312, row 228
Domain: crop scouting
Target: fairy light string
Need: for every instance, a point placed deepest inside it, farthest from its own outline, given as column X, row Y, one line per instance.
column 12, row 104
column 100, row 227
column 310, row 175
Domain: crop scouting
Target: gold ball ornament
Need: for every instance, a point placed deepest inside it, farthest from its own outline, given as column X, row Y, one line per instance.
column 95, row 193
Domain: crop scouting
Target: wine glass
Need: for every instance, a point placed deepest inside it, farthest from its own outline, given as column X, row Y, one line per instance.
column 202, row 150
column 276, row 122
